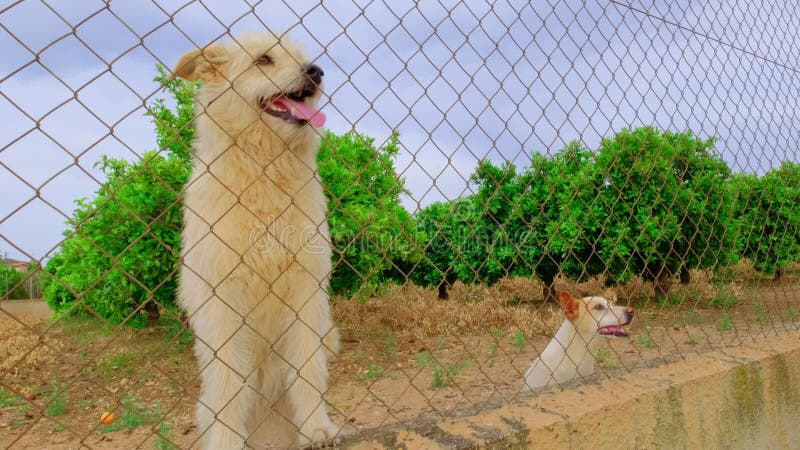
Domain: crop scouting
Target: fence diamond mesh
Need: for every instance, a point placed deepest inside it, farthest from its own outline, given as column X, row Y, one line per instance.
column 230, row 223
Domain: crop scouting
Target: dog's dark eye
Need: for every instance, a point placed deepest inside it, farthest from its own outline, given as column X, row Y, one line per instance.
column 599, row 307
column 264, row 59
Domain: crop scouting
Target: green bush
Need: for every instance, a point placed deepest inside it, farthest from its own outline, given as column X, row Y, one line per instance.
column 769, row 211
column 521, row 218
column 122, row 247
column 374, row 237
column 652, row 204
column 553, row 202
column 435, row 268
column 510, row 227
column 448, row 233
column 705, row 205
column 635, row 213
column 647, row 204
column 488, row 249
column 12, row 286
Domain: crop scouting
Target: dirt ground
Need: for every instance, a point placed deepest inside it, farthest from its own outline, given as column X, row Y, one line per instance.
column 404, row 354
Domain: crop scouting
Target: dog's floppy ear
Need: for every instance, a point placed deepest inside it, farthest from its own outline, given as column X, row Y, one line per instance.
column 199, row 64
column 569, row 305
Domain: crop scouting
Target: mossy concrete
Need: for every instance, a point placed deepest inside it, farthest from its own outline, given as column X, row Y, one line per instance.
column 741, row 397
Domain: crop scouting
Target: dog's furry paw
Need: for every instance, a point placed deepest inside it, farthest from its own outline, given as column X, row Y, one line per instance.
column 326, row 443
column 325, row 436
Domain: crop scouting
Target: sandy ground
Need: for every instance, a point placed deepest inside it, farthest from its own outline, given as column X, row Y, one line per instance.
column 399, row 360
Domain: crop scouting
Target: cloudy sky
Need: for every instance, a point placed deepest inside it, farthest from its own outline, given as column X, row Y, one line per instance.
column 461, row 81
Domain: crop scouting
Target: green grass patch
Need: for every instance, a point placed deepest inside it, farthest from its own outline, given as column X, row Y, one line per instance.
column 760, row 312
column 604, row 359
column 724, row 298
column 133, row 416
column 164, row 437
column 694, row 339
column 645, row 340
column 56, row 403
column 121, row 363
column 691, row 317
column 492, row 353
column 84, row 329
column 723, row 275
column 518, row 339
column 422, row 359
column 56, row 400
column 672, row 299
column 443, row 376
column 724, row 323
column 8, row 399
column 175, row 333
column 372, row 372
column 391, row 349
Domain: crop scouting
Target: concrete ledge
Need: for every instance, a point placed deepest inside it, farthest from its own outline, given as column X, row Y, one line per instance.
column 745, row 397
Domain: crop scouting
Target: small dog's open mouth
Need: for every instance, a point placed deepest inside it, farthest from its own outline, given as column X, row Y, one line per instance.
column 292, row 108
column 613, row 330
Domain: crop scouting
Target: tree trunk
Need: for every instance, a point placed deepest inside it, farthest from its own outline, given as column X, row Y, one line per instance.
column 662, row 284
column 151, row 308
column 443, row 295
column 686, row 277
column 549, row 293
column 778, row 274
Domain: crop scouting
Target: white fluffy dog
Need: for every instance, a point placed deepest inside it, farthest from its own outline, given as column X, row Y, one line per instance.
column 256, row 251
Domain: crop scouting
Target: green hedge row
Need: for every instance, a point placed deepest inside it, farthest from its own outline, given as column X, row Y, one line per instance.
column 646, row 203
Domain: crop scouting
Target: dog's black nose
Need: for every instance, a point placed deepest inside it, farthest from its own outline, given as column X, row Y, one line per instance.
column 629, row 314
column 315, row 73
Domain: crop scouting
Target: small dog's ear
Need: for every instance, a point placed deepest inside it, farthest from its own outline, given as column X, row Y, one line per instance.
column 199, row 64
column 569, row 305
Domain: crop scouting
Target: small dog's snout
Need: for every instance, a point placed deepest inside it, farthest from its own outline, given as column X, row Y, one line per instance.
column 315, row 73
column 629, row 310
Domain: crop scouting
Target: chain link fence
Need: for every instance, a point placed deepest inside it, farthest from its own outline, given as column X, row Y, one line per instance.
column 485, row 165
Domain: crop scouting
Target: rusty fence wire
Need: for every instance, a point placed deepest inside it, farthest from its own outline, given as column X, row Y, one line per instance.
column 230, row 223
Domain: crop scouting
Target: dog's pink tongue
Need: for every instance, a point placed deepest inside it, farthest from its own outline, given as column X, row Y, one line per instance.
column 302, row 111
column 613, row 330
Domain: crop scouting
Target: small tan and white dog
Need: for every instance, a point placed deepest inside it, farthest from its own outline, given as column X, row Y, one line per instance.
column 256, row 248
column 573, row 350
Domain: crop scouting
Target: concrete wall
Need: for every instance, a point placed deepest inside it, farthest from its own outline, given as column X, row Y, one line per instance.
column 743, row 397
column 27, row 309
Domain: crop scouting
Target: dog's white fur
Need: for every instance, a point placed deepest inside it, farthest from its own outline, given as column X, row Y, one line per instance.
column 256, row 252
column 573, row 350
